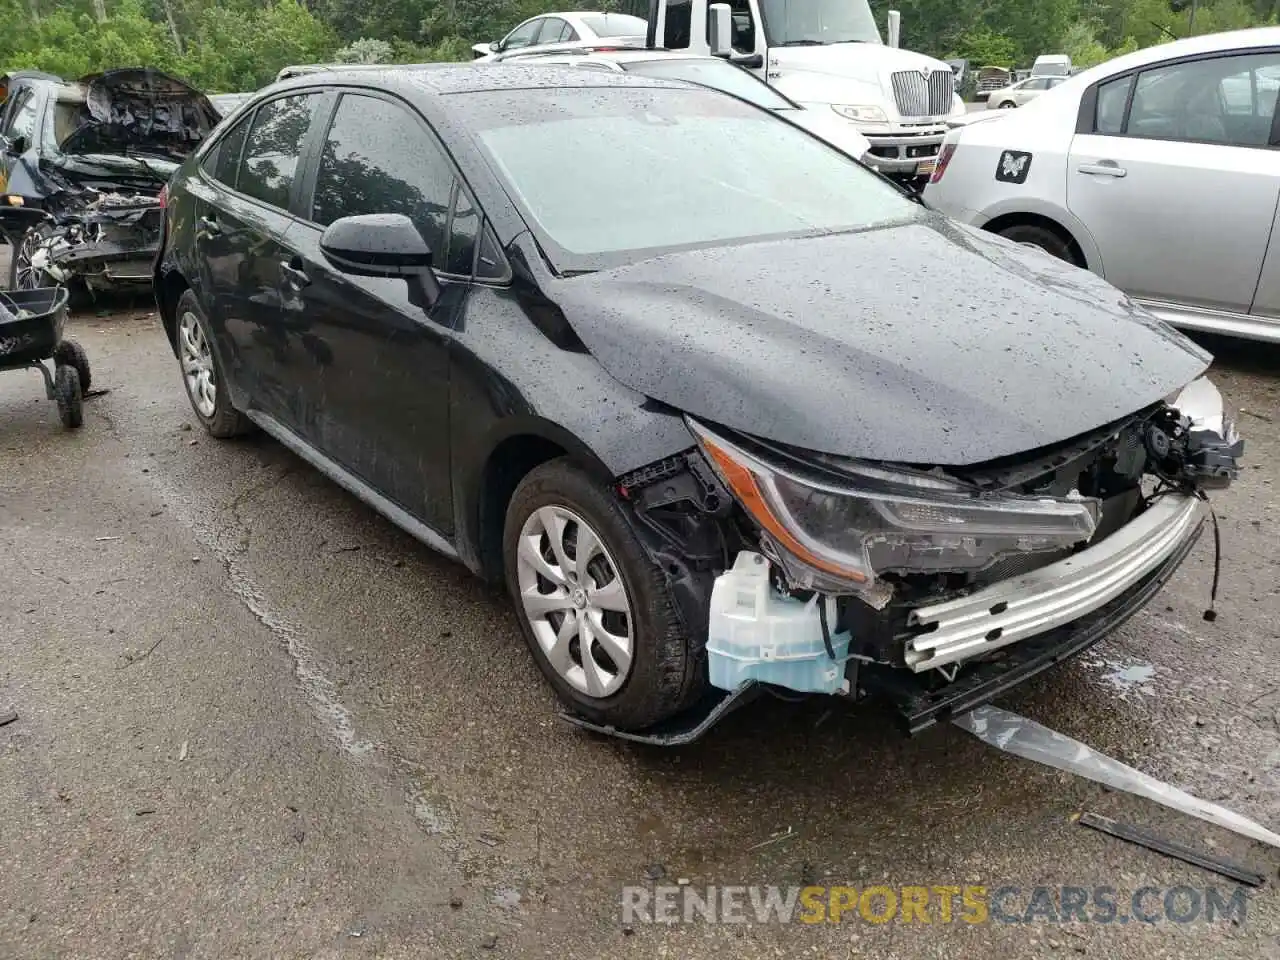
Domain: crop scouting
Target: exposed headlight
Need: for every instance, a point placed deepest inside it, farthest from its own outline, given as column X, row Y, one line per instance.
column 863, row 113
column 841, row 535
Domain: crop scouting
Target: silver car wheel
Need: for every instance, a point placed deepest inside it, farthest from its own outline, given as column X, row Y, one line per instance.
column 197, row 365
column 575, row 601
column 28, row 273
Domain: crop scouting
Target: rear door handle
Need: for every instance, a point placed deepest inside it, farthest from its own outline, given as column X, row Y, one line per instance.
column 1103, row 168
column 293, row 273
column 210, row 226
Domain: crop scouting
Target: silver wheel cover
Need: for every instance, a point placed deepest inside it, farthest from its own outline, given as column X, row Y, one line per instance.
column 197, row 365
column 575, row 601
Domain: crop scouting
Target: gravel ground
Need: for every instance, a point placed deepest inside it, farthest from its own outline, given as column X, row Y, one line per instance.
column 256, row 720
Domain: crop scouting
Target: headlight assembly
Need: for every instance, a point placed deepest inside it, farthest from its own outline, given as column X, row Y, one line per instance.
column 864, row 113
column 840, row 535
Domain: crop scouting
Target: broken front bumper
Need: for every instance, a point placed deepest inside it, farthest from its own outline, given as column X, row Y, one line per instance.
column 1054, row 595
column 920, row 708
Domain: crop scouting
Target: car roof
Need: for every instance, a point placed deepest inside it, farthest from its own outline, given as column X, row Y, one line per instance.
column 1189, row 47
column 445, row 79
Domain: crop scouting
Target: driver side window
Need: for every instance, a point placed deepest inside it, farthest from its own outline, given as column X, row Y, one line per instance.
column 522, row 35
column 22, row 117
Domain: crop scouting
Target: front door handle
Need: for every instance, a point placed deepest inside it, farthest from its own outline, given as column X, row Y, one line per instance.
column 210, row 226
column 1104, row 168
column 293, row 273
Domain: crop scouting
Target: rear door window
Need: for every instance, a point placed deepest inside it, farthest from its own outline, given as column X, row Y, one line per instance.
column 223, row 161
column 1228, row 100
column 379, row 158
column 273, row 148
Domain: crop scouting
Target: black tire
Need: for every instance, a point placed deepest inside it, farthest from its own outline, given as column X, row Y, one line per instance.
column 70, row 398
column 668, row 669
column 70, row 353
column 225, row 421
column 1006, row 105
column 21, row 253
column 1042, row 237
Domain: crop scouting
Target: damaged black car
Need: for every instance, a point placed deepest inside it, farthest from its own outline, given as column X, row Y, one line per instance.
column 727, row 411
column 82, row 166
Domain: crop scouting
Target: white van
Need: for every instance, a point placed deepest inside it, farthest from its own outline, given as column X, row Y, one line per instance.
column 1052, row 65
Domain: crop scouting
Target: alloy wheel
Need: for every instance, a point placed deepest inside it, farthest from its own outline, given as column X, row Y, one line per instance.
column 197, row 365
column 28, row 272
column 575, row 601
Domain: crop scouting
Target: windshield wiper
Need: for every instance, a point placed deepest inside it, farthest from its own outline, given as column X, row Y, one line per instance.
column 802, row 43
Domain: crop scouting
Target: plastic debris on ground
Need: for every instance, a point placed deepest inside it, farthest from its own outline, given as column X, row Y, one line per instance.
column 1027, row 739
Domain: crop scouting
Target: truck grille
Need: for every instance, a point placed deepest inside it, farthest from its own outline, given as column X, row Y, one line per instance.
column 918, row 95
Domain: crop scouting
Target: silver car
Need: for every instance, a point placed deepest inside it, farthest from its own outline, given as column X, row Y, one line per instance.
column 1157, row 170
column 1023, row 92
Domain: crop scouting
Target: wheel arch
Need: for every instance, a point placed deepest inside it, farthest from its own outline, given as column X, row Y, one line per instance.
column 1051, row 217
column 483, row 489
column 170, row 285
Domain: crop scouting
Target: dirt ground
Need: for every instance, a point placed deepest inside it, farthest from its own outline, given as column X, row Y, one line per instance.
column 254, row 719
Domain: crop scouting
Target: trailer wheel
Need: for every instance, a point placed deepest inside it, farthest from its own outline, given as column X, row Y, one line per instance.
column 70, row 398
column 70, row 353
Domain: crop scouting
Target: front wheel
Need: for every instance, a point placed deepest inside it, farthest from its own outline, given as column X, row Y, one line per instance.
column 594, row 610
column 1007, row 105
column 26, row 267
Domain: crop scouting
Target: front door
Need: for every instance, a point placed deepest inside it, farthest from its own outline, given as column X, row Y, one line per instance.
column 1177, row 180
column 380, row 404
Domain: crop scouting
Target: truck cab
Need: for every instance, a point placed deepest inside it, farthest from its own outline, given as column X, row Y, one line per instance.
column 829, row 55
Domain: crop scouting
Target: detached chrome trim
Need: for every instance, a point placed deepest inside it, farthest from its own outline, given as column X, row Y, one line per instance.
column 1054, row 595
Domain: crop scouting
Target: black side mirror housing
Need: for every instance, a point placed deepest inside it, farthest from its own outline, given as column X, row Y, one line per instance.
column 383, row 245
column 17, row 146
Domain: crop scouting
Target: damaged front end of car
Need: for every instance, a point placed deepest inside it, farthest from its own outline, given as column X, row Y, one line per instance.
column 933, row 588
column 89, row 212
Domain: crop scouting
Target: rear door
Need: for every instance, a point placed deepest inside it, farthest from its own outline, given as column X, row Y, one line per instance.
column 379, row 404
column 1177, row 177
column 242, row 205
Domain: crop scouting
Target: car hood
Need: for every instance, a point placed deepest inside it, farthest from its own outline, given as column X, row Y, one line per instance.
column 925, row 343
column 140, row 111
column 854, row 73
column 835, row 130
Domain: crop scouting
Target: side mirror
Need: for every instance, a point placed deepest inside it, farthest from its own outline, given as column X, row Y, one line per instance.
column 750, row 61
column 720, row 29
column 495, row 46
column 16, row 146
column 383, row 245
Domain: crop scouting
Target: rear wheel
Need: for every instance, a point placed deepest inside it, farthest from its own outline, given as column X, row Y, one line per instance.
column 1007, row 105
column 1034, row 235
column 202, row 374
column 594, row 610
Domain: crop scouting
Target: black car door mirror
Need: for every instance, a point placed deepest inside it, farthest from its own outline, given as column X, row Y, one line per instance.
column 383, row 245
column 16, row 145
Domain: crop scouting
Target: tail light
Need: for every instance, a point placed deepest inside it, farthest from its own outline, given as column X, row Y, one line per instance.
column 164, row 196
column 944, row 157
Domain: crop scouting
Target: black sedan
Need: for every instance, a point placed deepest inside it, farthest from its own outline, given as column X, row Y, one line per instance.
column 721, row 406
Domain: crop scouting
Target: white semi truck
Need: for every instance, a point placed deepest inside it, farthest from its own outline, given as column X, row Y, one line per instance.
column 829, row 54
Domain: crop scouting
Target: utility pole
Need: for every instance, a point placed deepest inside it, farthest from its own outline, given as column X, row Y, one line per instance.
column 1191, row 26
